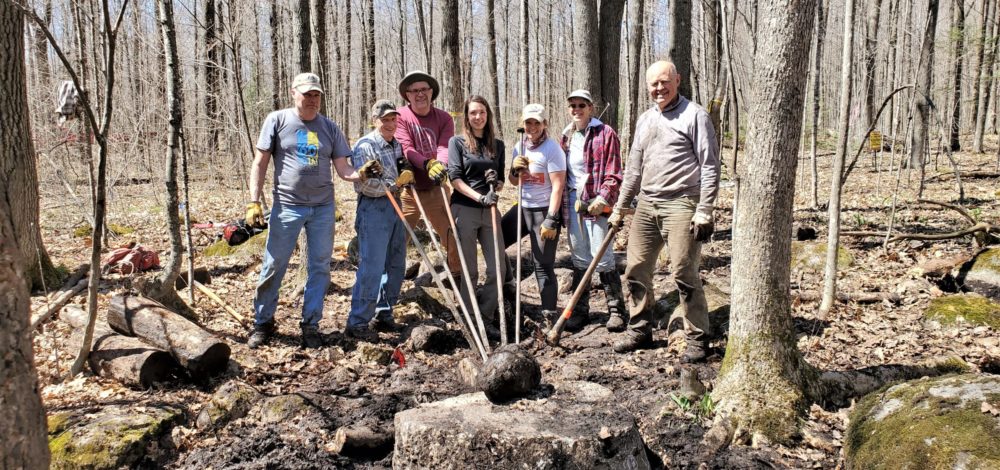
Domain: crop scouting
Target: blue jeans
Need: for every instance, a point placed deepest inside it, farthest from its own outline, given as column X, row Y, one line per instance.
column 381, row 261
column 285, row 223
column 587, row 239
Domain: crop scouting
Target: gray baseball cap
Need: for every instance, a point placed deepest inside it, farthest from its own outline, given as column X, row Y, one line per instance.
column 383, row 108
column 306, row 82
column 582, row 94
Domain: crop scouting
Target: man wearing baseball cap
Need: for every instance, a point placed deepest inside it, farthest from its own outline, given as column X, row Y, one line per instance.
column 306, row 147
column 424, row 131
column 381, row 235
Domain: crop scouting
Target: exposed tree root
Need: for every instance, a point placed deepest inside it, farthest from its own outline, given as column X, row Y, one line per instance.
column 837, row 388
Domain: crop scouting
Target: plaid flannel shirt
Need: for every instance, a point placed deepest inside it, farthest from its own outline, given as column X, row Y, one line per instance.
column 602, row 153
column 370, row 147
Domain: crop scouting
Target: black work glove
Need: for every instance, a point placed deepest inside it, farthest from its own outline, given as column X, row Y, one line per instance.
column 489, row 199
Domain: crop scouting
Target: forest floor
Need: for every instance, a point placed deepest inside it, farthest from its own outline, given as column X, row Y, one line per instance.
column 351, row 391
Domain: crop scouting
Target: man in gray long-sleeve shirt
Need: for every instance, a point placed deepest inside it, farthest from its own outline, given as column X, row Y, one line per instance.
column 673, row 167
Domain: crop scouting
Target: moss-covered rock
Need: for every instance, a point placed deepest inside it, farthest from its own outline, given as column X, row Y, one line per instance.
column 112, row 437
column 930, row 423
column 253, row 246
column 430, row 299
column 964, row 308
column 812, row 256
column 282, row 407
column 981, row 274
column 375, row 353
column 232, row 400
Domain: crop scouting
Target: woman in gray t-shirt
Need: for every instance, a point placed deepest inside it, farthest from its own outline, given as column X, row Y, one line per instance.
column 541, row 170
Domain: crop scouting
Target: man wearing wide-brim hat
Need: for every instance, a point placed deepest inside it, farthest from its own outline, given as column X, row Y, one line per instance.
column 424, row 131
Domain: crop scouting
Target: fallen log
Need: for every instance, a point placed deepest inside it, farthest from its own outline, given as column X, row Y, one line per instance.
column 75, row 284
column 847, row 297
column 122, row 358
column 197, row 350
column 361, row 440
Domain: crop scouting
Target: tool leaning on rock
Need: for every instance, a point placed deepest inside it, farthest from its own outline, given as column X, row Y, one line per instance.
column 553, row 337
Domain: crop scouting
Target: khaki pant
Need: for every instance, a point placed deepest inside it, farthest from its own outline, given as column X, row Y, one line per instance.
column 654, row 224
column 434, row 205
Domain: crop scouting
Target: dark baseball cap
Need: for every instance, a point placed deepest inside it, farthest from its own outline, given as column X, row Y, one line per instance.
column 383, row 108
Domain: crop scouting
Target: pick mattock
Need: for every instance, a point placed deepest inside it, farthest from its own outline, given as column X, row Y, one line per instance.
column 491, row 179
column 517, row 279
column 430, row 267
column 553, row 336
column 451, row 278
column 465, row 273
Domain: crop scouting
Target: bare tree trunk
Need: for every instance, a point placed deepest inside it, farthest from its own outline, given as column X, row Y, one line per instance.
column 213, row 50
column 18, row 172
column 22, row 417
column 304, row 35
column 321, row 61
column 491, row 56
column 836, row 175
column 452, row 83
column 426, row 41
column 818, row 39
column 980, row 42
column 764, row 381
column 985, row 81
column 958, row 38
column 680, row 42
column 922, row 101
column 369, row 32
column 635, row 21
column 522, row 75
column 402, row 48
column 587, row 65
column 871, row 51
column 276, row 85
column 610, row 41
column 40, row 48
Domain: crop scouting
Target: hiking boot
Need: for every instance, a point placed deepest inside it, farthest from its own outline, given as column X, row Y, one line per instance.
column 362, row 333
column 696, row 351
column 261, row 335
column 384, row 325
column 311, row 338
column 577, row 321
column 633, row 339
column 616, row 304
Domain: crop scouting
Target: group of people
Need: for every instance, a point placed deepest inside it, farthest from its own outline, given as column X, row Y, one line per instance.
column 413, row 167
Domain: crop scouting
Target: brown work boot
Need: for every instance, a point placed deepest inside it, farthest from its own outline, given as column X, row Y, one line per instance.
column 616, row 304
column 633, row 339
column 695, row 352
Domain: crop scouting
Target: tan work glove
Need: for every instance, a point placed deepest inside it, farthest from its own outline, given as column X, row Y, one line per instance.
column 597, row 206
column 405, row 178
column 550, row 228
column 518, row 165
column 435, row 171
column 255, row 215
column 617, row 218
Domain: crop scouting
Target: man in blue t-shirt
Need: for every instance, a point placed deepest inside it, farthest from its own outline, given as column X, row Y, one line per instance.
column 305, row 147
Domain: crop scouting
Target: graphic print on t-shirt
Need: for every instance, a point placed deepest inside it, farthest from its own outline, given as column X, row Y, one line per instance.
column 307, row 147
column 424, row 140
column 534, row 178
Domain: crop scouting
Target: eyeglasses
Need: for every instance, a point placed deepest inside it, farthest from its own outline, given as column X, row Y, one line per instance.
column 419, row 90
column 577, row 106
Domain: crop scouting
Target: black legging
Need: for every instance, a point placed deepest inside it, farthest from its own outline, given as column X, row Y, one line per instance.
column 508, row 225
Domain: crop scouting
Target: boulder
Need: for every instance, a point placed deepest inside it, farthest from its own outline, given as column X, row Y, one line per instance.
column 233, row 400
column 430, row 299
column 579, row 426
column 508, row 374
column 964, row 308
column 981, row 274
column 114, row 436
column 280, row 408
column 812, row 256
column 940, row 422
column 431, row 339
column 254, row 246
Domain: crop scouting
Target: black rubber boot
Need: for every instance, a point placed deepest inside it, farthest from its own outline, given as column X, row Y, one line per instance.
column 311, row 338
column 581, row 311
column 616, row 303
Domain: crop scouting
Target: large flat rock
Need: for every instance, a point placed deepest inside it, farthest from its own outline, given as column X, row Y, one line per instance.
column 981, row 274
column 578, row 426
column 113, row 437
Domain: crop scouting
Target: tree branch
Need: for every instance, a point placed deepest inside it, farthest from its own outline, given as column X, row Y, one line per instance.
column 870, row 129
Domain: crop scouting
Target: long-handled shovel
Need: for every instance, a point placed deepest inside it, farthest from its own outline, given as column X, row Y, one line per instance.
column 498, row 245
column 553, row 336
column 517, row 279
column 465, row 273
column 451, row 278
column 473, row 340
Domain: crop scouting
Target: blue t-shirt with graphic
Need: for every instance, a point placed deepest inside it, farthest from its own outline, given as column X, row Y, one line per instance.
column 303, row 153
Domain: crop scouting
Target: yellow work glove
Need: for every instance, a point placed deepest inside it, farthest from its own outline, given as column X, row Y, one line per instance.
column 617, row 218
column 597, row 206
column 255, row 215
column 405, row 178
column 435, row 170
column 579, row 207
column 550, row 228
column 518, row 165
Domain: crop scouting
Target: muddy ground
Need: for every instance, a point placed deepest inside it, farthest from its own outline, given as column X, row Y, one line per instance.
column 342, row 390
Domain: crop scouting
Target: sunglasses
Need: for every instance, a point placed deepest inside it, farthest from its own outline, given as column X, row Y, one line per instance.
column 419, row 90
